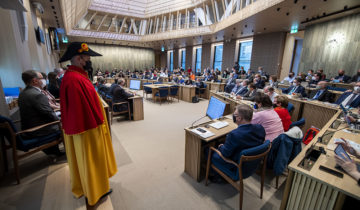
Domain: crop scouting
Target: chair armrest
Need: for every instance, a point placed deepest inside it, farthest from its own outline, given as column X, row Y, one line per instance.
column 224, row 158
column 125, row 102
column 38, row 127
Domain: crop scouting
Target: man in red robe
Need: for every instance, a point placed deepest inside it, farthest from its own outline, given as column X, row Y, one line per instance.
column 86, row 132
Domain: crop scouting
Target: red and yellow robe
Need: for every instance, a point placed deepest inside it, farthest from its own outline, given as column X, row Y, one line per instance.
column 87, row 138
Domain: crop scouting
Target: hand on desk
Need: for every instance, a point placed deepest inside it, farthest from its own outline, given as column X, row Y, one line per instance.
column 351, row 119
column 239, row 97
column 348, row 148
column 349, row 166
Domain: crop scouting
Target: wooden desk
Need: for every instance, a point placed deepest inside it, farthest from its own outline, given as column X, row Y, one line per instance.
column 107, row 112
column 187, row 92
column 195, row 145
column 342, row 85
column 216, row 86
column 155, row 87
column 109, row 80
column 310, row 89
column 231, row 101
column 138, row 108
column 314, row 188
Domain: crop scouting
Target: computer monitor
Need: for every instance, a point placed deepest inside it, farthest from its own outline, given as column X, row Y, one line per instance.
column 215, row 108
column 135, row 84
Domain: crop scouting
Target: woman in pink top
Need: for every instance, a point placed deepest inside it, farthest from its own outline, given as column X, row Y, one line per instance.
column 267, row 117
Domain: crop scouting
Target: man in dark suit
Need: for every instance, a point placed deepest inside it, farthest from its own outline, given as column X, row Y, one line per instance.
column 120, row 95
column 259, row 83
column 317, row 78
column 341, row 77
column 295, row 88
column 356, row 77
column 244, row 88
column 350, row 98
column 322, row 93
column 35, row 109
column 245, row 136
column 230, row 83
column 237, row 86
column 250, row 94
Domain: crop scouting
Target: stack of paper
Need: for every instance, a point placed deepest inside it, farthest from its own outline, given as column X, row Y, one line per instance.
column 205, row 135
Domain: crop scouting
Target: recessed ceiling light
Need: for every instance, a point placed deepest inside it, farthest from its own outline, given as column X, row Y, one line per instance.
column 287, row 14
column 278, row 9
column 304, row 7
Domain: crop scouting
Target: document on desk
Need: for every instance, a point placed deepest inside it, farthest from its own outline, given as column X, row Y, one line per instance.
column 332, row 145
column 219, row 124
column 204, row 135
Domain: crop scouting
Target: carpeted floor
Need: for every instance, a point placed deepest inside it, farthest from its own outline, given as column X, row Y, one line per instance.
column 150, row 159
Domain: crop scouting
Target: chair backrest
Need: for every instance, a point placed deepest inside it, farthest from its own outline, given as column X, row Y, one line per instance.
column 8, row 129
column 163, row 91
column 337, row 88
column 174, row 90
column 290, row 108
column 251, row 157
column 298, row 123
column 157, row 82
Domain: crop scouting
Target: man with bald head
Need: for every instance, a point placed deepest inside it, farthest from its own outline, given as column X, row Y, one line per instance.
column 322, row 93
column 342, row 77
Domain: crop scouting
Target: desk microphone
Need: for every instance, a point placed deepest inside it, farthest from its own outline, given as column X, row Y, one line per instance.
column 320, row 138
column 192, row 125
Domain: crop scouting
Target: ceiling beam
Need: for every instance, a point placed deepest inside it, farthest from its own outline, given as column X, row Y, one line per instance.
column 92, row 17
column 122, row 25
column 102, row 21
column 113, row 20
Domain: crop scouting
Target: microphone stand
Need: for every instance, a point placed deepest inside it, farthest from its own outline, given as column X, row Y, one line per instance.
column 192, row 125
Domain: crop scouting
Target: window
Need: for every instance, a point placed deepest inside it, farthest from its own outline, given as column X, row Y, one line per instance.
column 218, row 56
column 171, row 61
column 198, row 60
column 183, row 59
column 245, row 49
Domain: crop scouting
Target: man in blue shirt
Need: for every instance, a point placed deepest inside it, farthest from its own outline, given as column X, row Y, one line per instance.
column 236, row 87
column 295, row 88
column 350, row 98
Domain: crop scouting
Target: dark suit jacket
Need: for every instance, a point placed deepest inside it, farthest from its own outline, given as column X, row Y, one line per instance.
column 354, row 104
column 355, row 78
column 242, row 91
column 300, row 89
column 260, row 84
column 120, row 95
column 326, row 96
column 346, row 78
column 243, row 137
column 232, row 81
column 35, row 110
column 249, row 95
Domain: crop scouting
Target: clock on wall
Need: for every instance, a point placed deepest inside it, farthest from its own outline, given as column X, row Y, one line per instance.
column 336, row 39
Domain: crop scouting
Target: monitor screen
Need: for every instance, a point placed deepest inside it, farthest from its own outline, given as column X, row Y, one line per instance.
column 135, row 84
column 215, row 108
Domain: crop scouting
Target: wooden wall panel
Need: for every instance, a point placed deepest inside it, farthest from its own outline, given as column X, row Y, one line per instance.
column 205, row 56
column 267, row 51
column 321, row 51
column 176, row 58
column 228, row 55
column 189, row 57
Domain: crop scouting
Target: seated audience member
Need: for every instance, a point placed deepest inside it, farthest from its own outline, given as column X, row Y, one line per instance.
column 323, row 76
column 243, row 89
column 52, row 100
column 341, row 77
column 348, row 165
column 121, row 95
column 281, row 103
column 242, row 71
column 350, row 98
column 192, row 76
column 270, row 91
column 188, row 82
column 208, row 77
column 102, row 88
column 289, row 78
column 163, row 74
column 267, row 117
column 310, row 75
column 246, row 135
column 273, row 81
column 35, row 109
column 53, row 86
column 112, row 87
column 60, row 74
column 261, row 71
column 180, row 80
column 295, row 88
column 250, row 94
column 258, row 82
column 199, row 84
column 133, row 75
column 356, row 77
column 230, row 83
column 237, row 86
column 315, row 80
column 322, row 93
column 215, row 78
